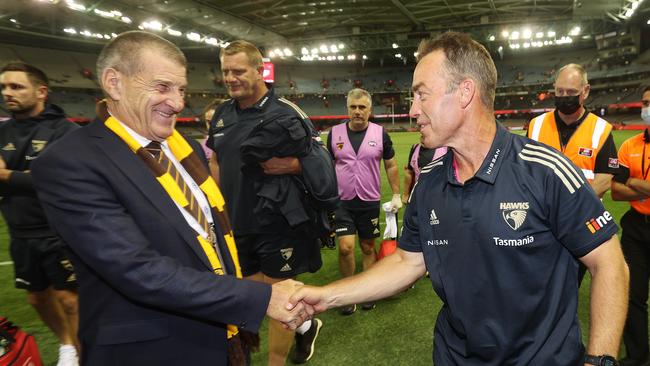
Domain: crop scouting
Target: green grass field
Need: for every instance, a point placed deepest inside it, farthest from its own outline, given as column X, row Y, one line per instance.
column 398, row 331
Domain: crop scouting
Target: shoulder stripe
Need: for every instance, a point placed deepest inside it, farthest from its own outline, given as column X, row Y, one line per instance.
column 427, row 168
column 567, row 174
column 295, row 107
column 601, row 124
column 559, row 159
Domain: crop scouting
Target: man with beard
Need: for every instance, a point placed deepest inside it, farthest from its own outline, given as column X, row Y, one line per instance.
column 582, row 136
column 41, row 264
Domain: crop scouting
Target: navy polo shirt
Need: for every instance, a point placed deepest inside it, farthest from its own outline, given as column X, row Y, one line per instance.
column 501, row 251
column 229, row 127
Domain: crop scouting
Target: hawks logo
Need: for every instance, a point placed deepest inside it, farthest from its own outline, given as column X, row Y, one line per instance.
column 286, row 253
column 514, row 213
column 339, row 145
column 38, row 145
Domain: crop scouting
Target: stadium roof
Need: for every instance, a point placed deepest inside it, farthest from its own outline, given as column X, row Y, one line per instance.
column 361, row 26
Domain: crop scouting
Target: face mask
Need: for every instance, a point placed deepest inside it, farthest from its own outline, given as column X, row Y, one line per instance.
column 567, row 105
column 645, row 115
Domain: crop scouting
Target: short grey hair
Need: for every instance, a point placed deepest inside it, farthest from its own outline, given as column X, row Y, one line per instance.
column 123, row 52
column 357, row 93
column 581, row 70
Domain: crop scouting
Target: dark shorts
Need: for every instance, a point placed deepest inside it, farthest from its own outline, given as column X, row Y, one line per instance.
column 278, row 256
column 40, row 263
column 358, row 216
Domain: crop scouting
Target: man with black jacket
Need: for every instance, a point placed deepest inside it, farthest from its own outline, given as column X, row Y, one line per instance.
column 275, row 188
column 40, row 261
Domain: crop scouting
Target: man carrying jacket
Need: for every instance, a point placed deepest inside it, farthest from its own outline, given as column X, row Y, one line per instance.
column 274, row 240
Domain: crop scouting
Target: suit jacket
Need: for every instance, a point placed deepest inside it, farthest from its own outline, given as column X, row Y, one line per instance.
column 147, row 293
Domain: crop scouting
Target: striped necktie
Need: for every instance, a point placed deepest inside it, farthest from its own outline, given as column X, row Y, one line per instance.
column 192, row 206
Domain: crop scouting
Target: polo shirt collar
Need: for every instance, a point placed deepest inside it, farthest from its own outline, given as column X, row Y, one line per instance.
column 493, row 160
column 264, row 101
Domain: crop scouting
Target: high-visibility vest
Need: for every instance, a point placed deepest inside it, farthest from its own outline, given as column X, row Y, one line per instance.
column 584, row 144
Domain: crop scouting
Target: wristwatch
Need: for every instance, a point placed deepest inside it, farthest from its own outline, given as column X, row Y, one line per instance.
column 603, row 360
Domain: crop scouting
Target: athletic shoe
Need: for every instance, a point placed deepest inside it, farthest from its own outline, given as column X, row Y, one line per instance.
column 348, row 309
column 304, row 348
column 68, row 355
column 368, row 306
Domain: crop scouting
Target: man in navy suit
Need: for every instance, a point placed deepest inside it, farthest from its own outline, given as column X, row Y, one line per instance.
column 157, row 280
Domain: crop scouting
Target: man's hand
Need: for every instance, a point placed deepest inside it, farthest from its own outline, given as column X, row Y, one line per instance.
column 292, row 316
column 315, row 297
column 396, row 202
column 279, row 166
column 405, row 199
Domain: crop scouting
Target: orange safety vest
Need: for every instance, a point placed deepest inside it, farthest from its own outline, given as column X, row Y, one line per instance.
column 630, row 155
column 584, row 144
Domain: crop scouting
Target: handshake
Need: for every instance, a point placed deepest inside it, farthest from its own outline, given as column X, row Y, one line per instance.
column 293, row 303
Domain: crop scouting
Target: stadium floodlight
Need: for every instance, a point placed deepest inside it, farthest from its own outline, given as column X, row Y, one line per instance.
column 278, row 52
column 113, row 35
column 74, row 6
column 126, row 20
column 304, row 51
column 340, row 57
column 314, row 51
column 174, row 32
column 398, row 55
column 193, row 36
column 334, row 49
column 498, row 49
column 70, row 30
column 574, row 31
column 104, row 13
column 491, row 38
column 13, row 20
column 505, row 33
column 527, row 33
column 152, row 25
column 211, row 41
column 550, row 34
column 116, row 13
column 271, row 54
column 395, row 45
column 288, row 52
column 341, row 46
column 324, row 49
column 415, row 54
column 539, row 34
column 526, row 45
column 364, row 57
column 514, row 35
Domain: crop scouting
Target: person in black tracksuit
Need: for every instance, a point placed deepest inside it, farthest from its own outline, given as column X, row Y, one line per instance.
column 40, row 263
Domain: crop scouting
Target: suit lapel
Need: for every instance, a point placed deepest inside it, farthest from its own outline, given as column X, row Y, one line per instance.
column 138, row 173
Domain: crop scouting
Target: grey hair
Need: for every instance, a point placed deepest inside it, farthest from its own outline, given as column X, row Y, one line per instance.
column 357, row 93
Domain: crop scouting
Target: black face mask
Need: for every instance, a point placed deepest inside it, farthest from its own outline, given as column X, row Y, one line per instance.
column 568, row 104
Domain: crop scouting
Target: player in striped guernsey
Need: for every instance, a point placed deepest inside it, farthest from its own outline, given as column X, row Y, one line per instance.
column 499, row 223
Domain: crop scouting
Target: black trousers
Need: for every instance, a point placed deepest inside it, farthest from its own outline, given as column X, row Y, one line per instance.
column 635, row 242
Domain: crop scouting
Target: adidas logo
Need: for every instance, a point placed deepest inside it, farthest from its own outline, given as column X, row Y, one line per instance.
column 286, row 268
column 433, row 219
column 9, row 147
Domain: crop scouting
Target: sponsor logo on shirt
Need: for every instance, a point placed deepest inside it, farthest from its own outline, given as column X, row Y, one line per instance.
column 372, row 143
column 514, row 242
column 219, row 123
column 339, row 145
column 599, row 222
column 9, row 147
column 433, row 219
column 438, row 242
column 493, row 161
column 514, row 213
column 612, row 163
column 585, row 151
